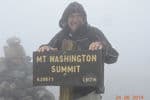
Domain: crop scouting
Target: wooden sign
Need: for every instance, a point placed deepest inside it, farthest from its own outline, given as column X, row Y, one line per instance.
column 68, row 68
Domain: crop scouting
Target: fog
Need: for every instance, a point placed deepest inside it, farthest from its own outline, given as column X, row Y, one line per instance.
column 124, row 23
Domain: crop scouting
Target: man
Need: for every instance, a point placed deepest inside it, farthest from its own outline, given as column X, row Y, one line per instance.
column 74, row 27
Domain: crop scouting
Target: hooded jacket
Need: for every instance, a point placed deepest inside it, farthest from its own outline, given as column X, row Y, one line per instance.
column 83, row 37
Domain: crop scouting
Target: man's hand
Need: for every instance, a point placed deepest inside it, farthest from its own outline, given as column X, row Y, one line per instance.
column 95, row 46
column 46, row 48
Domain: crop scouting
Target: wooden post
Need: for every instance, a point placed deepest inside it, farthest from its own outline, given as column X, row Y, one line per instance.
column 66, row 93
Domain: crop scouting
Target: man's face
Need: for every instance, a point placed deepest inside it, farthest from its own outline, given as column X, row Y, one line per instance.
column 75, row 20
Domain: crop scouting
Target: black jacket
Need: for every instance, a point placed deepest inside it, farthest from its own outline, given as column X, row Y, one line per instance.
column 83, row 37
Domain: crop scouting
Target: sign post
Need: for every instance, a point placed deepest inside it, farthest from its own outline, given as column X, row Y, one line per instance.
column 68, row 68
column 66, row 93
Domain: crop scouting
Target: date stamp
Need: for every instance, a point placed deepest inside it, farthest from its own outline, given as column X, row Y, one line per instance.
column 129, row 97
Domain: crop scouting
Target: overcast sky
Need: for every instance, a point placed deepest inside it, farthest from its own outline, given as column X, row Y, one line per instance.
column 125, row 23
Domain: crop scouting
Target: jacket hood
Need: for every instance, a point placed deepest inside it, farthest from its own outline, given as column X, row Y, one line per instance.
column 73, row 7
